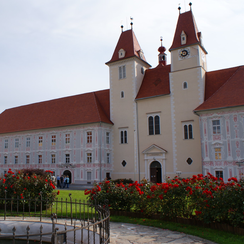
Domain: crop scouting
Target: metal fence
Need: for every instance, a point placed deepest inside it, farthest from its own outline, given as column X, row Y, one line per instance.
column 64, row 221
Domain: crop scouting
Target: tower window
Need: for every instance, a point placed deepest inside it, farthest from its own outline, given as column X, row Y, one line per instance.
column 122, row 72
column 185, row 85
column 142, row 70
column 188, row 131
column 123, row 136
column 154, row 125
column 122, row 94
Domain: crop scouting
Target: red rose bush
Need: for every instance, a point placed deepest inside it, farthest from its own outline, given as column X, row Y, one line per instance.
column 26, row 186
column 206, row 198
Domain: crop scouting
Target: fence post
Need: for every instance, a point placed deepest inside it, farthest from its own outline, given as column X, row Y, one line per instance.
column 54, row 232
column 5, row 204
column 71, row 214
column 41, row 207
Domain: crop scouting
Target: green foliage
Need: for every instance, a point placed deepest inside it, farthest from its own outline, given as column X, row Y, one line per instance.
column 205, row 198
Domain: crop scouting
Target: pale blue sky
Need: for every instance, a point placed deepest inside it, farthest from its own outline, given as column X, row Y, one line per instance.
column 55, row 48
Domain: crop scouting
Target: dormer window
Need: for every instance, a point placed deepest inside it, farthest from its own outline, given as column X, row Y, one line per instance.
column 183, row 38
column 121, row 53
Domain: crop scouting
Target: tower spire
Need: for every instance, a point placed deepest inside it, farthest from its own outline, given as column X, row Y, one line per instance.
column 179, row 8
column 190, row 4
column 162, row 55
column 131, row 23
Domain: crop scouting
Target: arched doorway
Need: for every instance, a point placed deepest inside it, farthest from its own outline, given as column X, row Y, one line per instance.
column 68, row 173
column 155, row 172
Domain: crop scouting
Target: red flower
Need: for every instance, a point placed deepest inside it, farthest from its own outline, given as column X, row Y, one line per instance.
column 198, row 212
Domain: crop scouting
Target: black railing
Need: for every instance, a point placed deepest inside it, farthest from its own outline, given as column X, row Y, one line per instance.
column 62, row 221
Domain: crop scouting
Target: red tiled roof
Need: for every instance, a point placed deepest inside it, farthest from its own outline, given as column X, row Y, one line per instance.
column 186, row 22
column 129, row 43
column 224, row 88
column 155, row 82
column 74, row 110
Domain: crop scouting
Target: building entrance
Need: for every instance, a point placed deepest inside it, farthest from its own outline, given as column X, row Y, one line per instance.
column 68, row 173
column 155, row 172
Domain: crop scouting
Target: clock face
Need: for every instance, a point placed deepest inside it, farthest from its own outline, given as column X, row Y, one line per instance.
column 184, row 53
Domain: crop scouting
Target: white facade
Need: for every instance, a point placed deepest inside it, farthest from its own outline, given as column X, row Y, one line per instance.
column 222, row 133
column 81, row 152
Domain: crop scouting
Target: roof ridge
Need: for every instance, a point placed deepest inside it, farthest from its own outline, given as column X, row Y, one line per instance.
column 221, row 87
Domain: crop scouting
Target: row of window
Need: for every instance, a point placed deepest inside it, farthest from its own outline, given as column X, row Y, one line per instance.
column 53, row 158
column 67, row 140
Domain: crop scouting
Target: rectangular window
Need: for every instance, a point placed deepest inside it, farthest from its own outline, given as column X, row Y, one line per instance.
column 67, row 138
column 16, row 159
column 122, row 72
column 6, row 143
column 16, row 143
column 108, row 158
column 88, row 137
column 53, row 140
column 88, row 175
column 5, row 159
column 89, row 157
column 53, row 158
column 123, row 136
column 218, row 155
column 107, row 137
column 188, row 131
column 27, row 159
column 28, row 142
column 40, row 159
column 216, row 127
column 219, row 174
column 40, row 141
column 67, row 158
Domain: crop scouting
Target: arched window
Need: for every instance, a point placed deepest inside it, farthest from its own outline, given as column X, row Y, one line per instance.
column 188, row 131
column 185, row 85
column 122, row 94
column 154, row 125
column 185, row 131
column 150, row 124
column 157, row 125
